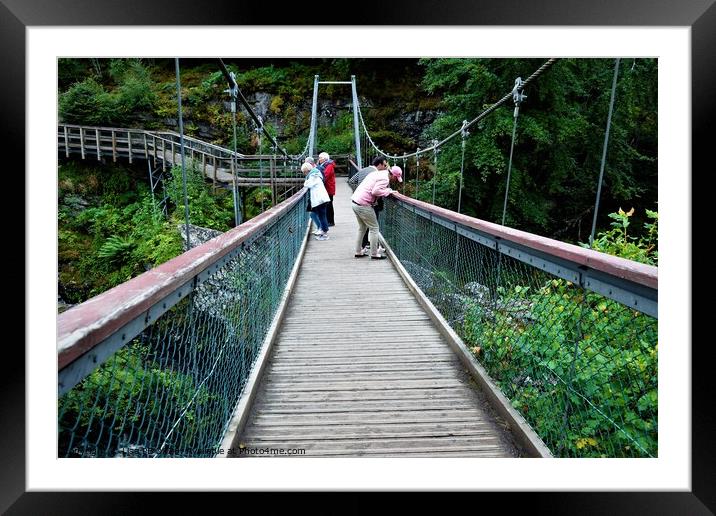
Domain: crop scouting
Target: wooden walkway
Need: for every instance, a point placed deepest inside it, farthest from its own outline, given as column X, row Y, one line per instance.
column 360, row 370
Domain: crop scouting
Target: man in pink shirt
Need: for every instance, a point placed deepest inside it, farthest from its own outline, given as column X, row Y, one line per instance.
column 375, row 185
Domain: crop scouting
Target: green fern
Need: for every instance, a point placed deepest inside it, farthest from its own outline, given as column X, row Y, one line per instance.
column 115, row 247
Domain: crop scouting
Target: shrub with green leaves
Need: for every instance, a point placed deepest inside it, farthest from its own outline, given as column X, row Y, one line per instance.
column 618, row 243
column 206, row 209
column 581, row 368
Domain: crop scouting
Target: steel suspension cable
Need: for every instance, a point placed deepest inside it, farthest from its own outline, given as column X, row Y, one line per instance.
column 518, row 97
column 405, row 177
column 417, row 172
column 246, row 104
column 435, row 167
column 181, row 145
column 604, row 152
column 462, row 165
column 259, row 130
column 479, row 117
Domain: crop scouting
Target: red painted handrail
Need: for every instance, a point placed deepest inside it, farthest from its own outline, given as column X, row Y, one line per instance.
column 636, row 272
column 84, row 326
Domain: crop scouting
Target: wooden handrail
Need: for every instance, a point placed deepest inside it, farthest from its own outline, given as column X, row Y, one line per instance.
column 84, row 326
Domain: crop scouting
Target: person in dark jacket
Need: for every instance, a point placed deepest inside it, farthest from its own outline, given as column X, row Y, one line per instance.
column 328, row 167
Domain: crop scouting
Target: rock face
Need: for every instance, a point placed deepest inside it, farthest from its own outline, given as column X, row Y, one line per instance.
column 197, row 235
column 454, row 303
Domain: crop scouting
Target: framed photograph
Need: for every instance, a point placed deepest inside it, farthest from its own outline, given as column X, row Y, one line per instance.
column 680, row 35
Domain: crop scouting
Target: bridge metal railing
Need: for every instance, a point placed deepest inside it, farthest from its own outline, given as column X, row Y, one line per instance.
column 155, row 366
column 568, row 334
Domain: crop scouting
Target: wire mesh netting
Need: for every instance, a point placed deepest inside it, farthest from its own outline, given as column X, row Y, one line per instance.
column 581, row 368
column 172, row 390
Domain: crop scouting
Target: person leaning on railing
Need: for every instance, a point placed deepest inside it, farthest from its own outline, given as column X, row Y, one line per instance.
column 354, row 181
column 373, row 188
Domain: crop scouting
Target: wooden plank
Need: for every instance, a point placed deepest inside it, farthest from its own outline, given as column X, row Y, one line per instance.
column 146, row 149
column 164, row 154
column 114, row 147
column 82, row 142
column 463, row 451
column 129, row 144
column 329, row 347
column 67, row 145
column 99, row 152
column 415, row 394
column 376, row 418
column 387, row 443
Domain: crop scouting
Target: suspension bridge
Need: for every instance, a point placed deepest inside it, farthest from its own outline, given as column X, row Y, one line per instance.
column 474, row 339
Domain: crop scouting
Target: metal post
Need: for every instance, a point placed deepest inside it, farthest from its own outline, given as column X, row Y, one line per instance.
column 462, row 165
column 417, row 171
column 312, row 133
column 151, row 181
column 259, row 130
column 405, row 177
column 604, row 151
column 183, row 164
column 356, row 134
column 435, row 167
column 237, row 199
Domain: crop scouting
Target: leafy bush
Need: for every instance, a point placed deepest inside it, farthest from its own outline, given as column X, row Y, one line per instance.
column 115, row 248
column 618, row 243
column 581, row 368
column 208, row 210
column 87, row 102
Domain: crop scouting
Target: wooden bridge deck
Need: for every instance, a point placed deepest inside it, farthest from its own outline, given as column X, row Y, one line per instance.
column 360, row 370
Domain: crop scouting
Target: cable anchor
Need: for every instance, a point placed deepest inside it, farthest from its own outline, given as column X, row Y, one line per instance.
column 517, row 94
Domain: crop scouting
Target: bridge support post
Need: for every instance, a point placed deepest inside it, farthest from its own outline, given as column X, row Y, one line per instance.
column 129, row 145
column 312, row 133
column 359, row 161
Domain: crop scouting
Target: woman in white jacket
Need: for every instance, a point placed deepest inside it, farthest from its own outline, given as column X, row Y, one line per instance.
column 319, row 197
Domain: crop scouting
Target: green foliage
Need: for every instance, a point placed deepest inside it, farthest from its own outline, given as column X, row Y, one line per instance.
column 207, row 210
column 89, row 102
column 255, row 199
column 616, row 241
column 559, row 138
column 109, row 230
column 115, row 248
column 558, row 351
column 577, row 352
column 130, row 390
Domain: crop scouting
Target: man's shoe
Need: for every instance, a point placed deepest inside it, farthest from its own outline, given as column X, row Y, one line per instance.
column 379, row 257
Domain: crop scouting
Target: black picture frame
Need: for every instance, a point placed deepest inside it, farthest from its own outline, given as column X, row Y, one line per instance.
column 699, row 15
